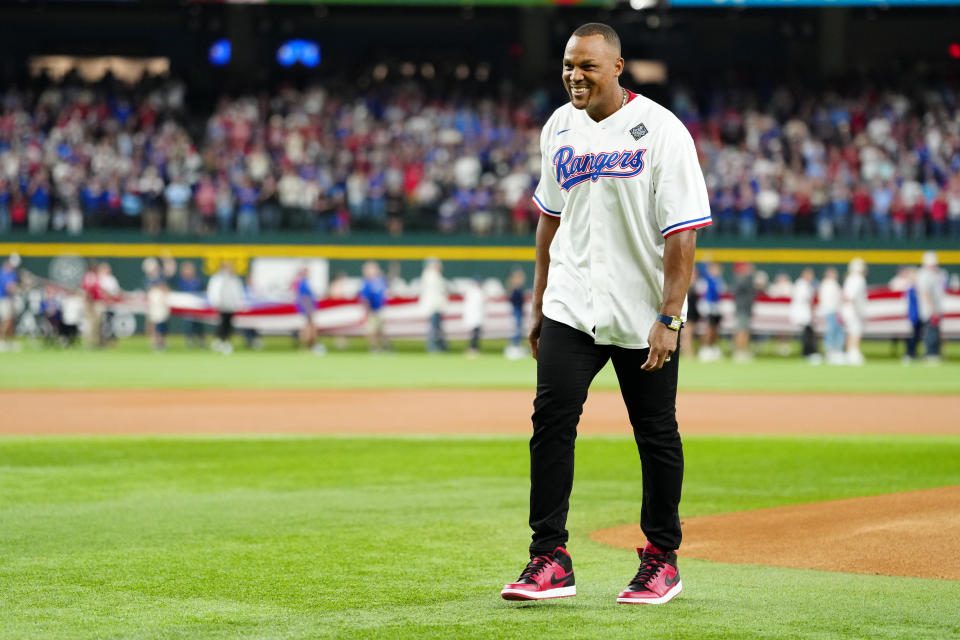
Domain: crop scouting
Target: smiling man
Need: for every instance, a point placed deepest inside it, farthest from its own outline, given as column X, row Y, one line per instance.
column 621, row 195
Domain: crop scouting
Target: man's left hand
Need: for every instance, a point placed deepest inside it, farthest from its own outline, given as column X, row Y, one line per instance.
column 663, row 342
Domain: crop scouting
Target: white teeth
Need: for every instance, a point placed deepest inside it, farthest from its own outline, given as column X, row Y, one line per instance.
column 578, row 91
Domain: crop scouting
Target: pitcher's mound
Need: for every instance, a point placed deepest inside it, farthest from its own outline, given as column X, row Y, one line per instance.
column 915, row 533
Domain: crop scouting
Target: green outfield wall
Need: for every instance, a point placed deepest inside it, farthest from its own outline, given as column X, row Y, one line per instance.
column 463, row 255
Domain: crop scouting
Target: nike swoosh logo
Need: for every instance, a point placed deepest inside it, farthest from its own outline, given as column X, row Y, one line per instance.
column 554, row 581
column 564, row 131
column 676, row 579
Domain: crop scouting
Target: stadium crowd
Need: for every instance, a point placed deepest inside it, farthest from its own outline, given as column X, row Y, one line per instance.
column 74, row 156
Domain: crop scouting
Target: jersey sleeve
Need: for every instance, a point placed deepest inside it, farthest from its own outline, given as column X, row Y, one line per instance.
column 681, row 200
column 547, row 197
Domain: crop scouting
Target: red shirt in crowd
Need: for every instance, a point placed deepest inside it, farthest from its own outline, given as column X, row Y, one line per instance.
column 91, row 285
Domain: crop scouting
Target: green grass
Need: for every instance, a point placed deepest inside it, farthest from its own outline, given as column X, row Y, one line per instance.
column 412, row 538
column 133, row 366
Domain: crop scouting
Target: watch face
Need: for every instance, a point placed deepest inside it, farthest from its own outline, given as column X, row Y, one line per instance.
column 675, row 324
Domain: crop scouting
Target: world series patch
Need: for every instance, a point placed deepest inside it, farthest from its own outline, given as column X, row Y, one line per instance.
column 638, row 131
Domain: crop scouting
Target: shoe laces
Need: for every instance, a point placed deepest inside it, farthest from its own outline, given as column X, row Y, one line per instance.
column 535, row 566
column 650, row 566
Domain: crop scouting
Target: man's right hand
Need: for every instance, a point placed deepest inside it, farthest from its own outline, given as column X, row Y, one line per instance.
column 535, row 336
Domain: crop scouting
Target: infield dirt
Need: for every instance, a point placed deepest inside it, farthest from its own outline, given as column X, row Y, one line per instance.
column 451, row 412
column 911, row 534
column 914, row 533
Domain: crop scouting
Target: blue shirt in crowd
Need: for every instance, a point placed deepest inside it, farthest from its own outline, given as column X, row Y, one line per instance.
column 374, row 292
column 7, row 277
column 305, row 296
column 190, row 285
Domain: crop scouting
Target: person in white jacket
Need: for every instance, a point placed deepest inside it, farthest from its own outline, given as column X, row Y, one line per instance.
column 829, row 299
column 433, row 300
column 225, row 294
column 855, row 308
column 801, row 314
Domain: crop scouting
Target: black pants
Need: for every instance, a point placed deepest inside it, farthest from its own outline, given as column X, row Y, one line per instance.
column 225, row 330
column 809, row 341
column 567, row 362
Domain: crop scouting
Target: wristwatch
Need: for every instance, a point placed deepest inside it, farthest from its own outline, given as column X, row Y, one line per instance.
column 673, row 323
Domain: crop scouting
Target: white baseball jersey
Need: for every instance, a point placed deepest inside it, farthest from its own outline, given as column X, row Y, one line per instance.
column 620, row 187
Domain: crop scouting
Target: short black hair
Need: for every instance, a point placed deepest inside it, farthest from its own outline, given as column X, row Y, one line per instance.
column 599, row 29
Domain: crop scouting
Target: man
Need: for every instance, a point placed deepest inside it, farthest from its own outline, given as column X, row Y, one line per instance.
column 744, row 296
column 474, row 312
column 111, row 293
column 854, row 310
column 829, row 299
column 433, row 300
column 8, row 289
column 193, row 329
column 93, row 305
column 931, row 290
column 713, row 289
column 226, row 295
column 373, row 294
column 518, row 296
column 306, row 304
column 801, row 314
column 620, row 196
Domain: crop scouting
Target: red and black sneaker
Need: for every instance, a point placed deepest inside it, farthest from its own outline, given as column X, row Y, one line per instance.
column 657, row 581
column 546, row 576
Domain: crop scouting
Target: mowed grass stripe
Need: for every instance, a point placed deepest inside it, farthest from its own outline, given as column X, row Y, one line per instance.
column 327, row 537
column 134, row 366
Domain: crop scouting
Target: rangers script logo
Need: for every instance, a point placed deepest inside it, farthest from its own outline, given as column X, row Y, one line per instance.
column 573, row 169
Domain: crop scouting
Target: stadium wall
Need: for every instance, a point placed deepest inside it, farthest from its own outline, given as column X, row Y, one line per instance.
column 463, row 255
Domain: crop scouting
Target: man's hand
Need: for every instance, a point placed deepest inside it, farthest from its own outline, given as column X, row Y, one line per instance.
column 534, row 336
column 663, row 342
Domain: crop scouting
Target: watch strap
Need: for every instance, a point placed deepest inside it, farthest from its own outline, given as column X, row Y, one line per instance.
column 673, row 323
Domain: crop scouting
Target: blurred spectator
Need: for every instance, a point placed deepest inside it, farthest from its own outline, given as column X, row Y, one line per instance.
column 744, row 294
column 829, row 300
column 110, row 291
column 931, row 284
column 6, row 196
column 93, row 306
column 854, row 310
column 953, row 207
column 177, row 195
column 801, row 314
column 433, row 301
column 8, row 288
column 913, row 314
column 713, row 288
column 71, row 315
column 474, row 301
column 251, row 335
column 517, row 293
column 39, row 193
column 248, row 221
column 373, row 295
column 692, row 329
column 205, row 200
column 306, row 303
column 158, row 309
column 225, row 293
column 188, row 282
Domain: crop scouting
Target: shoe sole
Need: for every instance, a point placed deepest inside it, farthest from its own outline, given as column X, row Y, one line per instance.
column 667, row 597
column 519, row 594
